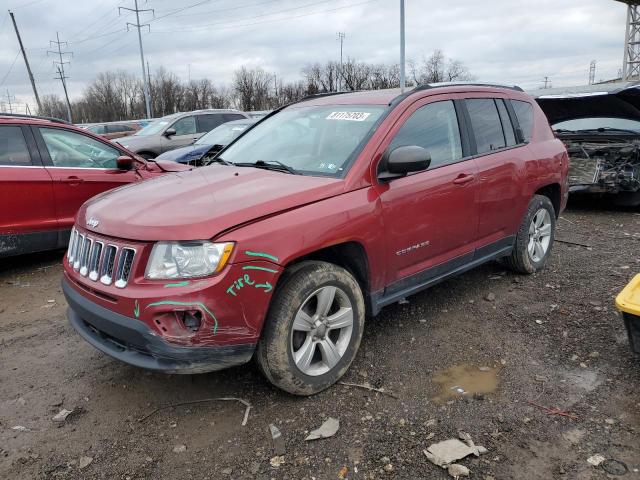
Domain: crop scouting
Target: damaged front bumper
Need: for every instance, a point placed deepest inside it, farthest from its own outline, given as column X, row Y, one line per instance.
column 131, row 341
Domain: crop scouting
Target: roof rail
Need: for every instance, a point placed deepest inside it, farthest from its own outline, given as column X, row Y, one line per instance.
column 320, row 95
column 427, row 86
column 20, row 115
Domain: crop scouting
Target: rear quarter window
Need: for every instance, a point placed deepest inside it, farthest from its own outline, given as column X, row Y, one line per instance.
column 13, row 148
column 524, row 114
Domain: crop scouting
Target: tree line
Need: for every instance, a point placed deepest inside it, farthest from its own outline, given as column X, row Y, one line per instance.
column 118, row 95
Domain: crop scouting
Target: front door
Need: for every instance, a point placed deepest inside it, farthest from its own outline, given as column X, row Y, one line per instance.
column 430, row 217
column 186, row 133
column 80, row 166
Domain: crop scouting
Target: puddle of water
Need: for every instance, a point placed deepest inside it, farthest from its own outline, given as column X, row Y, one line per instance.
column 465, row 380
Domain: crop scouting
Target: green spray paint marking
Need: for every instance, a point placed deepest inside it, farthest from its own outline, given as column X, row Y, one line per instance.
column 136, row 309
column 179, row 284
column 260, row 254
column 188, row 304
column 252, row 267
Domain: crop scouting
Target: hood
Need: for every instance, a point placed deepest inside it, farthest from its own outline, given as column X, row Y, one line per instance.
column 190, row 152
column 133, row 142
column 201, row 203
column 616, row 100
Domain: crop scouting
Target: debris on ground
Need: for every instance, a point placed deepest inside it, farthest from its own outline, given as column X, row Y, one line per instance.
column 20, row 428
column 326, row 430
column 278, row 441
column 277, row 461
column 448, row 451
column 179, row 449
column 84, row 462
column 62, row 415
column 204, row 400
column 596, row 459
column 456, row 470
column 554, row 411
column 342, row 474
column 614, row 467
column 490, row 297
column 367, row 386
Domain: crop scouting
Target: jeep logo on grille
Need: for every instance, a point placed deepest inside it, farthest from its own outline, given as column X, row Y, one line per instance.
column 93, row 222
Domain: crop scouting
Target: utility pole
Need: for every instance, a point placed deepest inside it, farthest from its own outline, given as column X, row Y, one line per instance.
column 27, row 110
column 149, row 80
column 60, row 67
column 63, row 79
column 341, row 36
column 26, row 62
column 145, row 81
column 592, row 72
column 402, row 76
column 546, row 82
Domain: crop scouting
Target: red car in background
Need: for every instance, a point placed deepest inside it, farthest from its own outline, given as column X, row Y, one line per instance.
column 48, row 168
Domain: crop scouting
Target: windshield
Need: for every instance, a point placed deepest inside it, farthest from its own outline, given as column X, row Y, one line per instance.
column 598, row 122
column 153, row 128
column 222, row 135
column 314, row 140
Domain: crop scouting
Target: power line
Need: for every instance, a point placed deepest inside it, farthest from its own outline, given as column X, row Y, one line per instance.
column 10, row 68
column 209, row 12
column 232, row 25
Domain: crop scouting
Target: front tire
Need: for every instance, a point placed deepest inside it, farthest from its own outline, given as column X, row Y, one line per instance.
column 534, row 240
column 313, row 329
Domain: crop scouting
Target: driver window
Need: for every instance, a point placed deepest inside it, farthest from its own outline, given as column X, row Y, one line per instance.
column 435, row 128
column 185, row 126
column 71, row 149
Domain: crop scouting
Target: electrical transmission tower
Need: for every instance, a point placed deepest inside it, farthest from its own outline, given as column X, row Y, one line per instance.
column 60, row 68
column 631, row 58
column 592, row 72
column 145, row 80
column 10, row 98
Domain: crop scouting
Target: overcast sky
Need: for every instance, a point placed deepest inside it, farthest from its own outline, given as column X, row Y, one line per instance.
column 499, row 40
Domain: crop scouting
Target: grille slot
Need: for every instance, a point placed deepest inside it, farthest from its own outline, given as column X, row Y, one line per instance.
column 108, row 262
column 79, row 250
column 94, row 260
column 84, row 257
column 72, row 240
column 125, row 262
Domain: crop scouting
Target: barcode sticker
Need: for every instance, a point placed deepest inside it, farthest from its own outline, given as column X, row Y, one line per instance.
column 352, row 116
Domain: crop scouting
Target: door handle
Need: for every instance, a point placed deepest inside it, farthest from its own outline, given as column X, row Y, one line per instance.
column 464, row 178
column 72, row 180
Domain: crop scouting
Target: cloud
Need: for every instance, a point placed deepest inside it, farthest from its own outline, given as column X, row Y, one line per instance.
column 503, row 40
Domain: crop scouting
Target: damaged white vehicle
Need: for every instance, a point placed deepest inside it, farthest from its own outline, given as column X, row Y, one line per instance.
column 600, row 126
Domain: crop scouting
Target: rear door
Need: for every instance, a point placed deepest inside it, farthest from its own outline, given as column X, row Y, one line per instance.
column 430, row 217
column 80, row 167
column 500, row 161
column 28, row 219
column 186, row 133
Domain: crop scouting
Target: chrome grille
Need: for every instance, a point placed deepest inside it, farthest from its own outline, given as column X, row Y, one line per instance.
column 100, row 261
column 125, row 261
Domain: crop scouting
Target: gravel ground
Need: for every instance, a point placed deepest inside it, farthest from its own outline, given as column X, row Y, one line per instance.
column 553, row 339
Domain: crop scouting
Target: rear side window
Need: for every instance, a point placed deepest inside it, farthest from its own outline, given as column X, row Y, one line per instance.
column 486, row 124
column 524, row 114
column 185, row 126
column 206, row 123
column 13, row 147
column 229, row 117
column 507, row 127
column 435, row 128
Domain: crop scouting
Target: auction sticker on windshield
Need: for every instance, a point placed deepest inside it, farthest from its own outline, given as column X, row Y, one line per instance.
column 353, row 116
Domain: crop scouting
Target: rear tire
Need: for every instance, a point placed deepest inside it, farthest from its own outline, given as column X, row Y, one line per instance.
column 534, row 240
column 313, row 328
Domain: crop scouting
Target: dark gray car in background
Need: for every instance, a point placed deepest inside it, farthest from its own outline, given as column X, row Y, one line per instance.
column 177, row 130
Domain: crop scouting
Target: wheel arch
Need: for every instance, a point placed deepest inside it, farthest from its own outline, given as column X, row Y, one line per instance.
column 553, row 192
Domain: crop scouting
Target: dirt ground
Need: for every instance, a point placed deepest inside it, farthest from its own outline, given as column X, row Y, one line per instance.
column 554, row 339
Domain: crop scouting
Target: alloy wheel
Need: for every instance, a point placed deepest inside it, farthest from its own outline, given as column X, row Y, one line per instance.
column 539, row 235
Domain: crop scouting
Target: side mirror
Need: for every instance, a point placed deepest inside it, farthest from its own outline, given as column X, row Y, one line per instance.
column 124, row 162
column 403, row 160
column 169, row 132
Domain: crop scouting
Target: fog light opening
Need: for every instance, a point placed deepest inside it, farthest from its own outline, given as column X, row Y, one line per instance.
column 192, row 320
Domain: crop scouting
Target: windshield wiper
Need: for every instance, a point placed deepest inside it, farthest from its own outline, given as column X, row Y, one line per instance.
column 268, row 165
column 218, row 160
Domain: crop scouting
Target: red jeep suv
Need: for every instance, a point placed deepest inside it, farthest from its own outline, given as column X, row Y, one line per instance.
column 313, row 219
column 48, row 168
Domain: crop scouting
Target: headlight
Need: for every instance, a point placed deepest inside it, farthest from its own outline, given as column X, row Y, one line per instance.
column 187, row 259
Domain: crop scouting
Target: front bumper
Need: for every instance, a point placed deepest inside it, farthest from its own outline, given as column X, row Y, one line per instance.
column 132, row 341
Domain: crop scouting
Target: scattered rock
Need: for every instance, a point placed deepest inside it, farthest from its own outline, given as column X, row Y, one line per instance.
column 574, row 436
column 227, row 471
column 609, row 421
column 385, row 460
column 277, row 461
column 84, row 462
column 539, row 322
column 595, row 303
column 179, row 449
column 326, row 430
column 490, row 297
column 596, row 459
column 594, row 355
column 62, row 415
column 20, row 428
column 388, row 468
column 456, row 470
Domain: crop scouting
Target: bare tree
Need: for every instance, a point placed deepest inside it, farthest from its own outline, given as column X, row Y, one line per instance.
column 438, row 68
column 252, row 88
